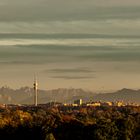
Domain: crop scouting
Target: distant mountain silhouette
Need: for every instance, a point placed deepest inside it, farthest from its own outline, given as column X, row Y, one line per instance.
column 126, row 95
column 25, row 95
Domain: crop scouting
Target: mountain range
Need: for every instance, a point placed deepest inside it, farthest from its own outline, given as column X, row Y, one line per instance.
column 25, row 95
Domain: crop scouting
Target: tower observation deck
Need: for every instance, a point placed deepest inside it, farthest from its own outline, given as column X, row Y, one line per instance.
column 35, row 92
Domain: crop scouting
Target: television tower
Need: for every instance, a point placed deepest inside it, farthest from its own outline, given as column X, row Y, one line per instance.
column 35, row 92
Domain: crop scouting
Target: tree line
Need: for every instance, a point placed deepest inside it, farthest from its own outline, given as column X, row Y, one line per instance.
column 70, row 123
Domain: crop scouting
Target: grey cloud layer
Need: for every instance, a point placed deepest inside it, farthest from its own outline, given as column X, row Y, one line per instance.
column 88, row 14
column 71, row 73
column 72, row 77
column 67, row 10
column 110, row 27
column 125, row 50
column 70, row 70
column 75, row 16
column 70, row 40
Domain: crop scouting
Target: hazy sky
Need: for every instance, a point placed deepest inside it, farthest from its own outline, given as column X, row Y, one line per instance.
column 92, row 44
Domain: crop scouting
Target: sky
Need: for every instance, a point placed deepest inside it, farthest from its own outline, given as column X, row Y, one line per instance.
column 92, row 44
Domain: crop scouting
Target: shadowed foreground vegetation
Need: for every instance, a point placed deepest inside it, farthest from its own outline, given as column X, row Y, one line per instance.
column 70, row 123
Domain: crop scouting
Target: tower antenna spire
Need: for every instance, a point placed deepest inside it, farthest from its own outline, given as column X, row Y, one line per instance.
column 35, row 91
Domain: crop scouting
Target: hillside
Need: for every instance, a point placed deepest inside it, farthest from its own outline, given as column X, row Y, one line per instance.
column 25, row 95
column 126, row 95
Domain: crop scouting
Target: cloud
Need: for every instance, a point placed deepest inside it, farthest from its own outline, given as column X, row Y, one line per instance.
column 69, row 50
column 72, row 77
column 111, row 56
column 43, row 10
column 21, row 62
column 97, row 42
column 71, row 73
column 70, row 70
column 117, row 26
column 42, row 36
